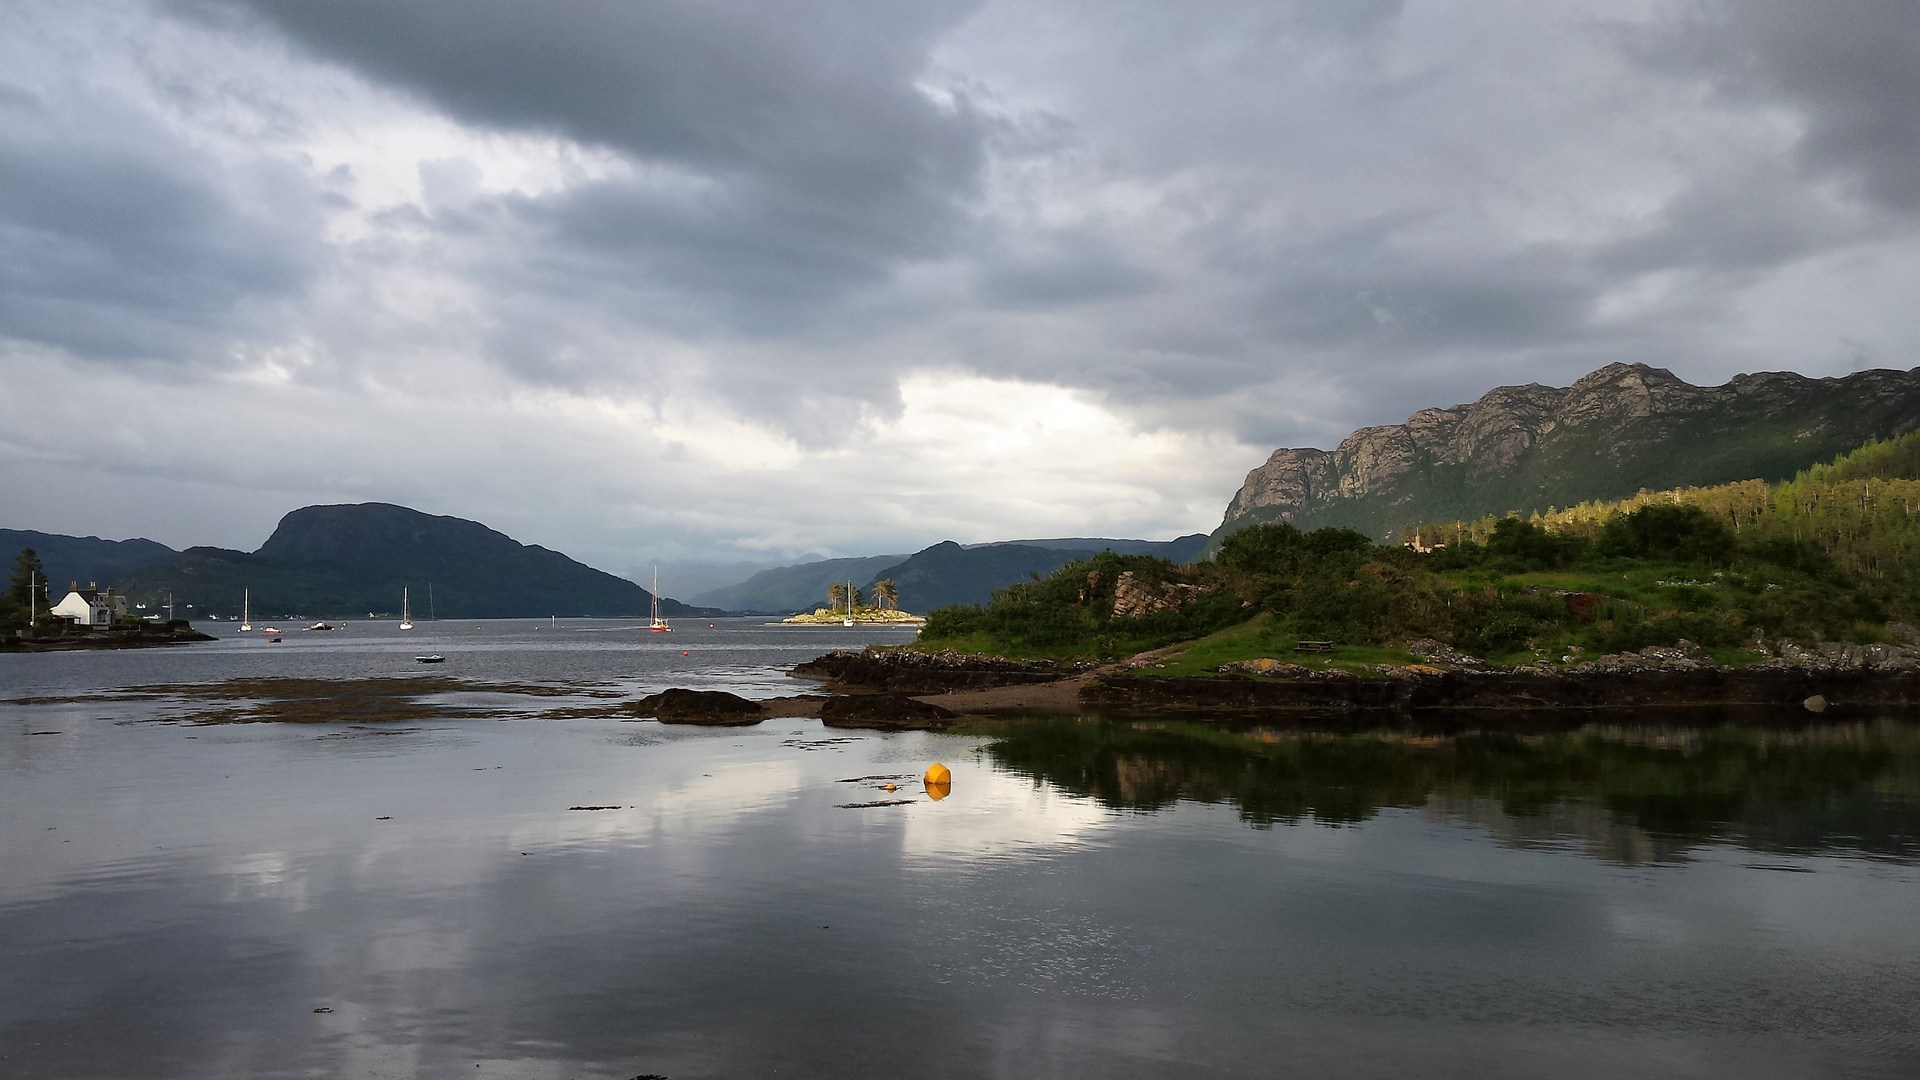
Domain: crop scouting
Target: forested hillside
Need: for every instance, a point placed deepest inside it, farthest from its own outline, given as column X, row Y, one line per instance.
column 1859, row 511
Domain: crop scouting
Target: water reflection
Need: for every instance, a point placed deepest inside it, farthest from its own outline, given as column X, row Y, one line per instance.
column 1626, row 793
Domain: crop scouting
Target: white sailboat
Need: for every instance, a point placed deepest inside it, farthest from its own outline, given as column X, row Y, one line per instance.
column 246, row 609
column 659, row 624
column 406, row 610
column 848, row 621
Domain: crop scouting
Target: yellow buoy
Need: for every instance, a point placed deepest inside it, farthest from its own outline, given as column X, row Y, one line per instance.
column 939, row 782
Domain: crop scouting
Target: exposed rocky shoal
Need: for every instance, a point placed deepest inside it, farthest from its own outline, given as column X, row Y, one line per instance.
column 705, row 707
column 885, row 712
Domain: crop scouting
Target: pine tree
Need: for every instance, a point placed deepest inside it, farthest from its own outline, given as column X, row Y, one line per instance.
column 29, row 580
column 28, row 586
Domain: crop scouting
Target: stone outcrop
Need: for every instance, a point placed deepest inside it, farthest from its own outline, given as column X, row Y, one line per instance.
column 1620, row 429
column 1136, row 599
column 715, row 708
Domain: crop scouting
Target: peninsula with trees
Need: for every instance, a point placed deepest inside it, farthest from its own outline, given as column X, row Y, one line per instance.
column 1801, row 591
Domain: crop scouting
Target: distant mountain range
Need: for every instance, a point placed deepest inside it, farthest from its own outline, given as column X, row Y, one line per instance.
column 343, row 561
column 81, row 559
column 335, row 561
column 784, row 590
column 1621, row 429
column 946, row 573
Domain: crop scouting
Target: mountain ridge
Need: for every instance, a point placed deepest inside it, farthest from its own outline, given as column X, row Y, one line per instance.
column 351, row 559
column 81, row 559
column 1613, row 432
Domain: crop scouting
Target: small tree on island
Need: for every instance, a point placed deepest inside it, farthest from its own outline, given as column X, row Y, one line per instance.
column 887, row 594
column 836, row 596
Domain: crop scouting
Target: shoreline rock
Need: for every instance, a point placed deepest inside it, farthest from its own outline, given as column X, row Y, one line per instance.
column 708, row 708
column 884, row 712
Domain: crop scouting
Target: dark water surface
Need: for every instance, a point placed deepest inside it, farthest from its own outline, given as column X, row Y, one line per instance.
column 1095, row 898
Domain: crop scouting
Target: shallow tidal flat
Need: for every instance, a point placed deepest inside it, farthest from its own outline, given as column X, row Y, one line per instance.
column 320, row 859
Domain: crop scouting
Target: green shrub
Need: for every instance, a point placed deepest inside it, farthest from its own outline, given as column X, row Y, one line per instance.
column 1679, row 534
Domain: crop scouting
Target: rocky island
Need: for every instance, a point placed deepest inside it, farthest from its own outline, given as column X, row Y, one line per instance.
column 865, row 616
column 132, row 636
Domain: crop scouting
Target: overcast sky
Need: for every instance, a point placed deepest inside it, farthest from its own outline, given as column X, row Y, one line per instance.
column 724, row 280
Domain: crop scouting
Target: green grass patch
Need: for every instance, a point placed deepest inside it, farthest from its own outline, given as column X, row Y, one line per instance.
column 991, row 646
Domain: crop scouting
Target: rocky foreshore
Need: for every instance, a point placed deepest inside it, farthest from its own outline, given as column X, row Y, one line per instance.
column 1789, row 688
column 899, row 689
column 131, row 637
column 1816, row 679
column 901, row 671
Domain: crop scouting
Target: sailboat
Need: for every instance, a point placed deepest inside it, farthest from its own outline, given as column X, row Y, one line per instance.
column 848, row 621
column 246, row 609
column 659, row 625
column 406, row 610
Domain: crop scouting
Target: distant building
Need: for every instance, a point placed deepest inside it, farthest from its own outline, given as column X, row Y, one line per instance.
column 91, row 606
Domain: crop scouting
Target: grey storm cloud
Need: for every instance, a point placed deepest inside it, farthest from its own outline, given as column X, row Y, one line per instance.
column 1232, row 222
column 118, row 242
column 809, row 162
column 1850, row 68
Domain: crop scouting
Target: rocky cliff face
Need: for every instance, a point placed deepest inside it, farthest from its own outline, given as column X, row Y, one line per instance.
column 1620, row 429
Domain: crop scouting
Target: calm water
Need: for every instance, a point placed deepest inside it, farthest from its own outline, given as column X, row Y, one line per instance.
column 1093, row 898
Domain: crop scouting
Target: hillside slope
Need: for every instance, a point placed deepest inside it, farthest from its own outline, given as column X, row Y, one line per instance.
column 332, row 561
column 81, row 558
column 1621, row 429
column 784, row 590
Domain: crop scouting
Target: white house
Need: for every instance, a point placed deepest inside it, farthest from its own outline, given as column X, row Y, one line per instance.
column 92, row 607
